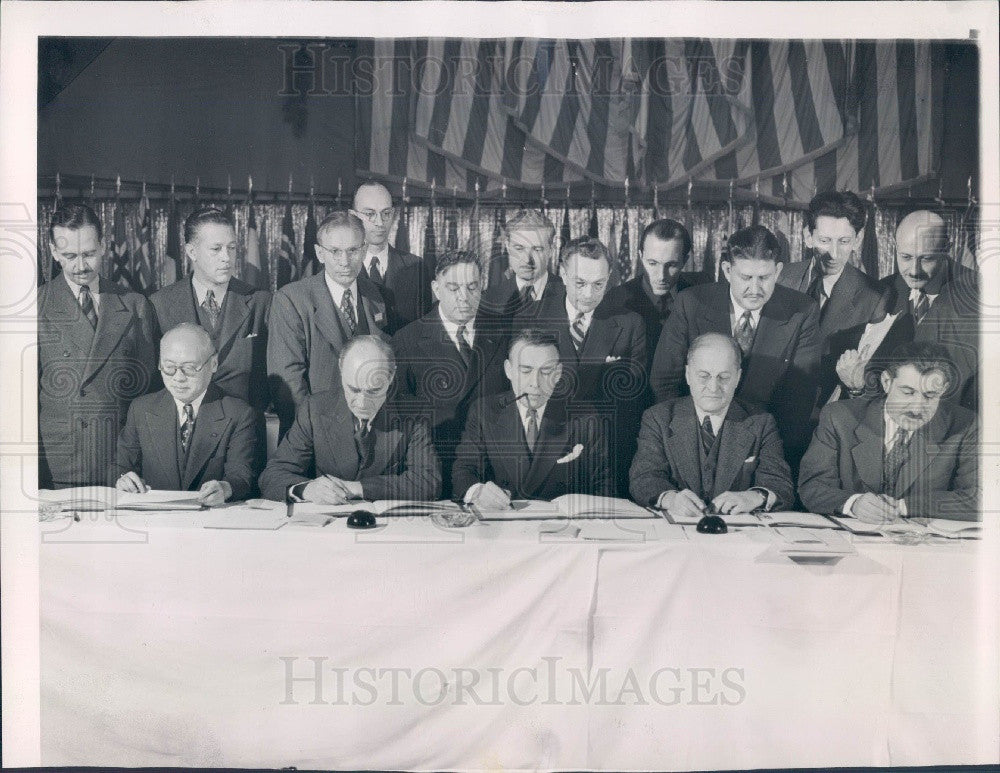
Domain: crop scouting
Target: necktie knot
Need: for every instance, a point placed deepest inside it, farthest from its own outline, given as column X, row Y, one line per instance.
column 528, row 294
column 87, row 305
column 921, row 305
column 707, row 426
column 376, row 272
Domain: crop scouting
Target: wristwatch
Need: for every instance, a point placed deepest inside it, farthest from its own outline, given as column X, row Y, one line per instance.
column 764, row 493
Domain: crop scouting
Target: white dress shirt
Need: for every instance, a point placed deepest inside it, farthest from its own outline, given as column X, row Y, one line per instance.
column 891, row 427
column 93, row 287
column 915, row 295
column 573, row 311
column 451, row 328
column 201, row 290
column 538, row 284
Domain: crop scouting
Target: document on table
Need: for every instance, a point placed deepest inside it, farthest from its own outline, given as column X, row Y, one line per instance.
column 582, row 506
column 385, row 507
column 107, row 498
column 780, row 518
column 931, row 527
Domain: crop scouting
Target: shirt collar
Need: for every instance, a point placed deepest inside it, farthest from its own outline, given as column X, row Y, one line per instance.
column 573, row 311
column 195, row 405
column 738, row 311
column 717, row 421
column 337, row 291
column 383, row 258
column 451, row 328
column 538, row 284
column 915, row 295
column 201, row 290
column 92, row 286
column 891, row 427
column 522, row 409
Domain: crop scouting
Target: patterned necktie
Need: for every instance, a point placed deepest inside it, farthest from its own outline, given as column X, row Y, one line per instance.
column 211, row 309
column 347, row 308
column 577, row 332
column 895, row 457
column 376, row 274
column 464, row 350
column 87, row 306
column 531, row 431
column 707, row 435
column 187, row 427
column 745, row 333
column 921, row 306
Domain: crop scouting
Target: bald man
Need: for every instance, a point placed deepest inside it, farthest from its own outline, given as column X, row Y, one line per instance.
column 929, row 299
column 708, row 451
column 189, row 436
column 348, row 444
column 313, row 319
column 399, row 275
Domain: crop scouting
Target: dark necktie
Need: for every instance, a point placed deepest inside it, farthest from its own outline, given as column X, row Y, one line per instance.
column 816, row 289
column 87, row 306
column 527, row 294
column 921, row 306
column 347, row 308
column 187, row 427
column 895, row 457
column 577, row 332
column 531, row 431
column 211, row 309
column 376, row 274
column 464, row 350
column 745, row 332
column 361, row 439
column 666, row 303
column 707, row 436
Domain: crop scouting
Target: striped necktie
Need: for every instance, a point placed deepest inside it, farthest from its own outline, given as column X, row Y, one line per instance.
column 577, row 332
column 87, row 306
column 347, row 308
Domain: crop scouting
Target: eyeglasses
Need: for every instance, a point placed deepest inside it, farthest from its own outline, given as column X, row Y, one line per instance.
column 188, row 370
column 372, row 216
column 352, row 253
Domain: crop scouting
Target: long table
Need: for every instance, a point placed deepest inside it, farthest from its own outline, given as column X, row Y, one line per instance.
column 500, row 646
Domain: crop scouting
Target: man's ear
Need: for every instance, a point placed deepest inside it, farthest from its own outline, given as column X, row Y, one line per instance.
column 726, row 267
column 189, row 251
column 886, row 379
column 807, row 237
column 508, row 370
column 214, row 362
column 778, row 265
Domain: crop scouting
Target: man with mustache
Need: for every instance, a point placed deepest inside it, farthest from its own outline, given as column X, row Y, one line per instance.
column 96, row 352
column 907, row 454
column 398, row 275
column 777, row 330
column 833, row 233
column 930, row 298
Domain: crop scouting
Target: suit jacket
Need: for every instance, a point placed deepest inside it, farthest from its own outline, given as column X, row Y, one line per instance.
column 400, row 461
column 306, row 337
column 405, row 289
column 87, row 378
column 501, row 303
column 940, row 477
column 750, row 453
column 431, row 377
column 242, row 339
column 493, row 448
column 221, row 446
column 780, row 371
column 632, row 296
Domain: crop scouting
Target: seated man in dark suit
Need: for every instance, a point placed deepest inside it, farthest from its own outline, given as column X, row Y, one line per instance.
column 398, row 275
column 522, row 444
column 447, row 359
column 663, row 250
column 709, row 449
column 233, row 312
column 312, row 319
column 776, row 328
column 907, row 454
column 348, row 443
column 189, row 436
column 833, row 233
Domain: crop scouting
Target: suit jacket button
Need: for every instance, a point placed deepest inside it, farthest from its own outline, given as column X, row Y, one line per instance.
column 84, row 424
column 65, row 354
column 83, row 393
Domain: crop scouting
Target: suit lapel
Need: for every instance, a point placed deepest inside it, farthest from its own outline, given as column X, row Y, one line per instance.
column 601, row 338
column 734, row 447
column 506, row 443
column 236, row 314
column 209, row 427
column 373, row 303
column 112, row 321
column 714, row 316
column 682, row 444
column 62, row 310
column 338, row 434
column 324, row 312
column 553, row 435
column 383, row 440
column 768, row 346
column 924, row 448
column 161, row 426
column 867, row 451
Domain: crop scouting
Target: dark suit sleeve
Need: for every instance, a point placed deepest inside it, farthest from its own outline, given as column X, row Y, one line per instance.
column 128, row 456
column 796, row 394
column 260, row 390
column 961, row 501
column 650, row 474
column 239, row 467
column 666, row 374
column 293, row 461
column 772, row 471
column 420, row 478
column 147, row 345
column 820, row 487
column 472, row 463
column 287, row 359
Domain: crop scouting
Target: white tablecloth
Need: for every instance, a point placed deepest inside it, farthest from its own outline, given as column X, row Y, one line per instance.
column 164, row 643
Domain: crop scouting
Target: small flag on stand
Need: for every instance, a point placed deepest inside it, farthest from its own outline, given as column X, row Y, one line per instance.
column 255, row 269
column 625, row 251
column 430, row 241
column 498, row 262
column 564, row 232
column 53, row 265
column 310, row 262
column 121, row 274
column 173, row 266
column 142, row 255
column 286, row 250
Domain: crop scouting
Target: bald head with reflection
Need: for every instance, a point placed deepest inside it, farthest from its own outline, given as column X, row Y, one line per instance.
column 922, row 250
column 367, row 370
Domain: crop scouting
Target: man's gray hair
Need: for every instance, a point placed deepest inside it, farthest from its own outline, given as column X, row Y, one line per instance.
column 197, row 330
column 382, row 346
column 341, row 219
column 707, row 340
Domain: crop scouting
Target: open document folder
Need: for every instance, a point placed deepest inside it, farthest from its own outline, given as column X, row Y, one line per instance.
column 90, row 498
column 568, row 506
column 917, row 527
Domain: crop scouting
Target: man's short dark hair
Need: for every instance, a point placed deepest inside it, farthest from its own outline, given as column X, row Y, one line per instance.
column 837, row 204
column 531, row 336
column 585, row 247
column 925, row 356
column 455, row 258
column 74, row 217
column 341, row 219
column 204, row 216
column 753, row 243
column 667, row 230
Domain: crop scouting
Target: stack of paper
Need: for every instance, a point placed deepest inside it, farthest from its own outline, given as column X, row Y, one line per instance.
column 568, row 506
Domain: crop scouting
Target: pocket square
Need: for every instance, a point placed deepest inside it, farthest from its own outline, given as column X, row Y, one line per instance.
column 380, row 318
column 750, row 459
column 577, row 450
column 250, row 335
column 612, row 358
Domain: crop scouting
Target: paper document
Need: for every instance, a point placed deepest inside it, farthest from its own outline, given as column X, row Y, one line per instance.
column 157, row 500
column 567, row 506
column 387, row 507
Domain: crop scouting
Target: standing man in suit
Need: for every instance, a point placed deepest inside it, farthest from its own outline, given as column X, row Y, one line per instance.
column 96, row 352
column 347, row 443
column 930, row 298
column 777, row 330
column 833, row 233
column 528, row 292
column 398, row 275
column 522, row 444
column 312, row 319
column 709, row 448
column 907, row 454
column 189, row 436
column 663, row 250
column 232, row 312
column 448, row 358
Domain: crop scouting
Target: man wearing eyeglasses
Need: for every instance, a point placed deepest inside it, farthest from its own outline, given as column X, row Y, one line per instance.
column 313, row 319
column 399, row 275
column 189, row 436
